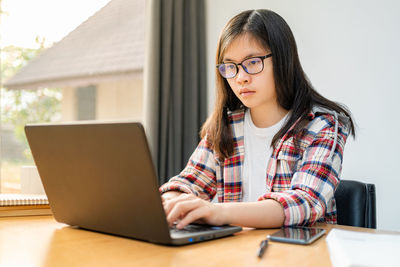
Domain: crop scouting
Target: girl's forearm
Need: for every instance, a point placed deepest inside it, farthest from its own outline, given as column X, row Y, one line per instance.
column 261, row 214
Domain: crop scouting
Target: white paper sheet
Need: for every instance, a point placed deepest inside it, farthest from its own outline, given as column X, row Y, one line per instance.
column 350, row 248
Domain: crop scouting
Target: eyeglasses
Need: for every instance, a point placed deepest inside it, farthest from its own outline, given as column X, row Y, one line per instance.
column 252, row 65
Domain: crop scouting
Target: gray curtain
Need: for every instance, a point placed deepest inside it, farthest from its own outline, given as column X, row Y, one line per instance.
column 175, row 82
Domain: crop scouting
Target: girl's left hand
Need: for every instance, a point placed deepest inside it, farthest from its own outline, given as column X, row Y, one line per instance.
column 188, row 208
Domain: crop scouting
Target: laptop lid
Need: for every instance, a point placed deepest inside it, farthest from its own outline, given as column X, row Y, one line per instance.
column 100, row 176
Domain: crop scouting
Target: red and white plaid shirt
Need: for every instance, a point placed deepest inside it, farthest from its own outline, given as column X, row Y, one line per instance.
column 303, row 181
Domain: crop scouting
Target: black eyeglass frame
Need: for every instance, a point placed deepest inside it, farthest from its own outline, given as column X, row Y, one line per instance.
column 244, row 68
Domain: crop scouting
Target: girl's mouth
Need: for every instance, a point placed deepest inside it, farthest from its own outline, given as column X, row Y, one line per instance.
column 246, row 92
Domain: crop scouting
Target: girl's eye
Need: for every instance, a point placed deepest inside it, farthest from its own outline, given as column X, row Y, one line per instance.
column 254, row 62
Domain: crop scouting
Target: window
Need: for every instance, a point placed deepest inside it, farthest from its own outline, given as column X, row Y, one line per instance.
column 86, row 103
column 86, row 75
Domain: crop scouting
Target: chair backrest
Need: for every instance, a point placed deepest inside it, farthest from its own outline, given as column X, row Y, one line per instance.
column 356, row 204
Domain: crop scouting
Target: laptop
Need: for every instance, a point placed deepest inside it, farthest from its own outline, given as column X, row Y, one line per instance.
column 100, row 177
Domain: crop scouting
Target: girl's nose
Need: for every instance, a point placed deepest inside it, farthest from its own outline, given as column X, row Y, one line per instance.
column 242, row 76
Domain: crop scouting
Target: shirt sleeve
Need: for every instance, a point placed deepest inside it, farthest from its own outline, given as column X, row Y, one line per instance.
column 314, row 182
column 198, row 177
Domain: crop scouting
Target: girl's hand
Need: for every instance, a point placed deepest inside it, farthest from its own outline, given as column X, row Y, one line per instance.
column 170, row 195
column 187, row 208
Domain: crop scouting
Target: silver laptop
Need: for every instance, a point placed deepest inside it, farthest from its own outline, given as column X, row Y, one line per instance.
column 100, row 176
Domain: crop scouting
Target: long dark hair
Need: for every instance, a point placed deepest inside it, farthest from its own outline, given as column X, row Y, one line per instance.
column 294, row 90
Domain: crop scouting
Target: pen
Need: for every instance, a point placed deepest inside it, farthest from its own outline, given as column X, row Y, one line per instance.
column 261, row 249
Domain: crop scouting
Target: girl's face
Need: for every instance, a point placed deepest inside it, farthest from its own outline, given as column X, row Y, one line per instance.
column 253, row 90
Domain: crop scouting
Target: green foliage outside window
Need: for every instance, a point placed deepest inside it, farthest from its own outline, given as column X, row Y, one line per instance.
column 19, row 107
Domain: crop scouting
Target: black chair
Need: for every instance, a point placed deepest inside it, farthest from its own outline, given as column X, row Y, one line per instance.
column 356, row 204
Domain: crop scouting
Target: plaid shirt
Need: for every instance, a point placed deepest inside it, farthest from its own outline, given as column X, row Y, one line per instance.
column 303, row 181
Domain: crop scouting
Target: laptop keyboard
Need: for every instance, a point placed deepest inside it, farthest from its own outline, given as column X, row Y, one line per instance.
column 193, row 228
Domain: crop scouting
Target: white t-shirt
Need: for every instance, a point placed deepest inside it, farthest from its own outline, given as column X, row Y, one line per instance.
column 257, row 151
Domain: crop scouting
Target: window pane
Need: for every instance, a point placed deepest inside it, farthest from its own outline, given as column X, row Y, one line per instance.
column 86, row 102
column 94, row 72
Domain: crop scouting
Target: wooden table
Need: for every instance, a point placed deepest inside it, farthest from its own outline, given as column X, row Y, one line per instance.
column 41, row 241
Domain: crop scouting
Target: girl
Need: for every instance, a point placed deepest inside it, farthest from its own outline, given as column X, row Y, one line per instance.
column 272, row 149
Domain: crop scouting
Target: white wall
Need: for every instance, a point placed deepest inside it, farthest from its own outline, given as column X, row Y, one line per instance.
column 350, row 50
